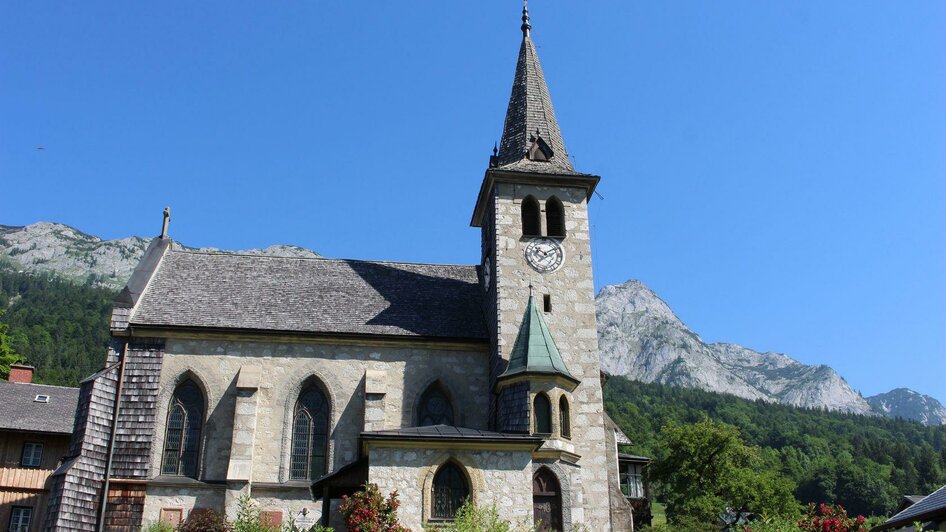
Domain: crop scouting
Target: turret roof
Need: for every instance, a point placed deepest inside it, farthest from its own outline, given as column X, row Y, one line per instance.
column 535, row 350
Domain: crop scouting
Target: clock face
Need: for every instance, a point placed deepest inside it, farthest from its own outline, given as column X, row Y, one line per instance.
column 487, row 272
column 544, row 254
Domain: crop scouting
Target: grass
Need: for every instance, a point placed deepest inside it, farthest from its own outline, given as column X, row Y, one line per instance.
column 658, row 513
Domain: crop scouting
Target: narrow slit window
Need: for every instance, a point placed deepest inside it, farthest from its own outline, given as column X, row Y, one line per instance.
column 547, row 302
column 543, row 414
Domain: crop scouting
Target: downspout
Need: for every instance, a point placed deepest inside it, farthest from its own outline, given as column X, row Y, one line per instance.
column 103, row 502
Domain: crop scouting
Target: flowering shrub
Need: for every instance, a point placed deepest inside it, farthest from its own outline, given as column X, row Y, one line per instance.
column 369, row 511
column 828, row 518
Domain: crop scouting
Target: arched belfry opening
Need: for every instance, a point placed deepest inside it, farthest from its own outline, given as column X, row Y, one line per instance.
column 555, row 217
column 531, row 218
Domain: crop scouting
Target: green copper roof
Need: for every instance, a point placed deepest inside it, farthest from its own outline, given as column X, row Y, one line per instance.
column 535, row 351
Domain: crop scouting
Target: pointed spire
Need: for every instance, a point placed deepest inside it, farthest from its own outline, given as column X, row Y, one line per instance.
column 534, row 351
column 530, row 118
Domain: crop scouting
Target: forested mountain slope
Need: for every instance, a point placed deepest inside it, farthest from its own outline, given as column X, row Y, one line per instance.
column 865, row 463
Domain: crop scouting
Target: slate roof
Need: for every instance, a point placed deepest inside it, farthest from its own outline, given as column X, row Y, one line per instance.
column 448, row 433
column 20, row 412
column 530, row 111
column 932, row 507
column 310, row 295
column 535, row 350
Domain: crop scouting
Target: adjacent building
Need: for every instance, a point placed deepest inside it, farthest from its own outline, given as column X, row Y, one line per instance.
column 35, row 428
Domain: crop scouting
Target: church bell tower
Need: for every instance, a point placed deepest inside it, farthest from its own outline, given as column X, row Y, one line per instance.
column 536, row 270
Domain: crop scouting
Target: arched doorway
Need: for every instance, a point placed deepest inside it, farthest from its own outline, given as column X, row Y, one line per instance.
column 546, row 501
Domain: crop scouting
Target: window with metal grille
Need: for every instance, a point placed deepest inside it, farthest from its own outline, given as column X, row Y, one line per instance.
column 531, row 221
column 182, row 437
column 543, row 414
column 309, row 435
column 450, row 491
column 32, row 454
column 554, row 217
column 564, row 418
column 20, row 517
column 435, row 407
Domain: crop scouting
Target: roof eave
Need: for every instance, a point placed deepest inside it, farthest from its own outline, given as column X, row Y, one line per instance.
column 565, row 380
column 588, row 182
column 161, row 330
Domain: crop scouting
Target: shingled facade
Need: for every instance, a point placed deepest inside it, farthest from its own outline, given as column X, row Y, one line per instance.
column 297, row 380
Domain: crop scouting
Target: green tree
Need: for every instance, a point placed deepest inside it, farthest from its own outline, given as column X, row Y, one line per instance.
column 8, row 356
column 705, row 468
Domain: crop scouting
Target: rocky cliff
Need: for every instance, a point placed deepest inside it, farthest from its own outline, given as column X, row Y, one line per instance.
column 908, row 404
column 641, row 338
column 60, row 249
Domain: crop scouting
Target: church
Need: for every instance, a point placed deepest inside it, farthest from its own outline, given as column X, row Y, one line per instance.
column 295, row 381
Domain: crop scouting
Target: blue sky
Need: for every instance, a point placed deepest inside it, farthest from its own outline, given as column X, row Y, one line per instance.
column 776, row 171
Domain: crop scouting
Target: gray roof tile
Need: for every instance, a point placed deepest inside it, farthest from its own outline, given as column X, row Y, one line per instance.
column 19, row 411
column 307, row 295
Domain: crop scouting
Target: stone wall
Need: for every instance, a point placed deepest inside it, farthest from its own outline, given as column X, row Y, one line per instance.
column 498, row 478
column 571, row 323
column 286, row 368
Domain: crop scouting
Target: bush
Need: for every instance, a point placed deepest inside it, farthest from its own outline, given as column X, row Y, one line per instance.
column 205, row 520
column 157, row 527
column 827, row 518
column 369, row 511
column 471, row 518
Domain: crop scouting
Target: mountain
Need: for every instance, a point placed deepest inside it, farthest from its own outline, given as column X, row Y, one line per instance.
column 64, row 250
column 908, row 404
column 640, row 338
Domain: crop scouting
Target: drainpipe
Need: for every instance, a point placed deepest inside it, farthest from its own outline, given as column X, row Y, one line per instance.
column 111, row 440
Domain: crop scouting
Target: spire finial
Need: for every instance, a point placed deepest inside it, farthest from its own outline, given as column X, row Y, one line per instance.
column 525, row 18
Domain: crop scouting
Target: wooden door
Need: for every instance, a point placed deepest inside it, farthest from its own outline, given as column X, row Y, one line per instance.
column 546, row 501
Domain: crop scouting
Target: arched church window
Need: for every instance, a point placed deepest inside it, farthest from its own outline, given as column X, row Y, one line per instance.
column 182, row 438
column 543, row 414
column 531, row 220
column 435, row 407
column 564, row 419
column 555, row 217
column 309, row 435
column 450, row 491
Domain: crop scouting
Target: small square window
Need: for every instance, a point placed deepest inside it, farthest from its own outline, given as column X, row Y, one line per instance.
column 32, row 454
column 41, row 399
column 20, row 517
column 547, row 302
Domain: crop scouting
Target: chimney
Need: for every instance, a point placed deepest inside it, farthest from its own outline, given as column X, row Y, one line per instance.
column 20, row 373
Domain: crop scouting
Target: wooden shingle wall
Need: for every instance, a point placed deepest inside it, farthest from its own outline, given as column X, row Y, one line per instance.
column 77, row 485
column 126, row 503
column 132, row 456
column 514, row 408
